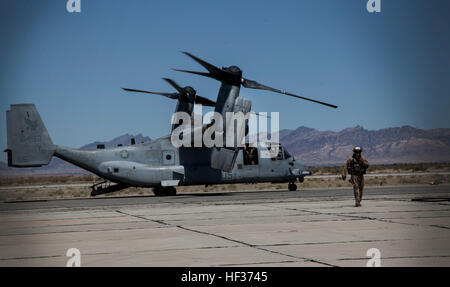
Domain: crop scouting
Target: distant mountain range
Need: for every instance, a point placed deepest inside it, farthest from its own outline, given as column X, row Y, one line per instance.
column 392, row 145
column 312, row 147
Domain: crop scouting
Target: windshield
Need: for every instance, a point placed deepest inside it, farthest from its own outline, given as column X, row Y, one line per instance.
column 287, row 154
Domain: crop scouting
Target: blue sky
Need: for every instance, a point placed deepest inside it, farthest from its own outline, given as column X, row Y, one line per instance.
column 383, row 70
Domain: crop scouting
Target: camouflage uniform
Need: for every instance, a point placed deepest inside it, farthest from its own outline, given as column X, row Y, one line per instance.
column 356, row 168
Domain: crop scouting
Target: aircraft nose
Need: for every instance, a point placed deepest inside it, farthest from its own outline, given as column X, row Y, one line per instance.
column 306, row 172
column 302, row 170
column 296, row 172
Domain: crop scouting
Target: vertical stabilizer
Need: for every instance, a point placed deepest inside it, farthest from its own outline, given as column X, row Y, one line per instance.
column 29, row 144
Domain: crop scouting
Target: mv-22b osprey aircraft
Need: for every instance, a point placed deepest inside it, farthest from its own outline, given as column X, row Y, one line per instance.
column 159, row 164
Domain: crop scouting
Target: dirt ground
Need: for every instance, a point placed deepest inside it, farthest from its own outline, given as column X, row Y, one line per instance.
column 77, row 186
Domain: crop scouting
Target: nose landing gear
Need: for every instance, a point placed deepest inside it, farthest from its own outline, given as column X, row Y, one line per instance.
column 292, row 186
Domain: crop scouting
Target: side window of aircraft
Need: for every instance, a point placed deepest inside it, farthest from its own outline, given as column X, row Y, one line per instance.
column 168, row 157
column 250, row 155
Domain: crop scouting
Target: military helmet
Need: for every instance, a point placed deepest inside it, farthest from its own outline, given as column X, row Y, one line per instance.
column 357, row 149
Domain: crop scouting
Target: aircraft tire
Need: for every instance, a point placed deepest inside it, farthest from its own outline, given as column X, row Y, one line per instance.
column 165, row 191
column 158, row 191
column 171, row 191
column 292, row 187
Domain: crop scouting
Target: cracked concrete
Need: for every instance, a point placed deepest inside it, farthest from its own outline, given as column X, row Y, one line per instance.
column 260, row 228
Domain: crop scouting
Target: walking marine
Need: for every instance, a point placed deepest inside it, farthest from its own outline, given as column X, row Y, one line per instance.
column 356, row 167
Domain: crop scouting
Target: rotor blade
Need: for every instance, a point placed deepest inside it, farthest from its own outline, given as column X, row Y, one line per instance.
column 255, row 85
column 168, row 95
column 196, row 73
column 211, row 68
column 260, row 115
column 214, row 72
column 204, row 101
column 175, row 85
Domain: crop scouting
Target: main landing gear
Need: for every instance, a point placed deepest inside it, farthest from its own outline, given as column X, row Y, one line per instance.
column 165, row 191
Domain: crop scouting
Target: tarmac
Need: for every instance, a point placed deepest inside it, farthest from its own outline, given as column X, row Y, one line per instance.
column 409, row 225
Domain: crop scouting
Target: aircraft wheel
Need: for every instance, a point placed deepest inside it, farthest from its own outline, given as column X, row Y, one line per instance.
column 292, row 187
column 165, row 191
column 158, row 191
column 171, row 191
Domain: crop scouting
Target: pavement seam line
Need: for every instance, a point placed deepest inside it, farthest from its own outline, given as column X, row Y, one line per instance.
column 144, row 218
column 254, row 246
column 228, row 239
column 363, row 217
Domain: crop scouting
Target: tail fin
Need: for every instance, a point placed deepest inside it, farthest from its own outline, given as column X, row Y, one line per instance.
column 29, row 144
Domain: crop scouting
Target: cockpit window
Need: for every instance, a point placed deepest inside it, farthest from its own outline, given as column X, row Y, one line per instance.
column 280, row 155
column 287, row 154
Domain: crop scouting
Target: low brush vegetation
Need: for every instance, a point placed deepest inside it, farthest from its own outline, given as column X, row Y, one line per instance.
column 45, row 179
column 10, row 193
column 387, row 168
